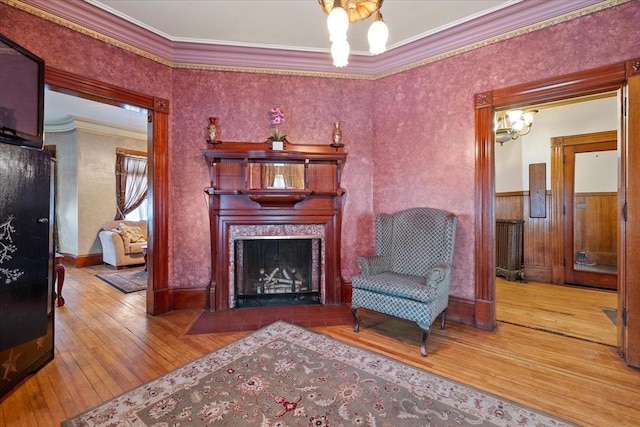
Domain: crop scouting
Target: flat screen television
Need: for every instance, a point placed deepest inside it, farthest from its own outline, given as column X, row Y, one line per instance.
column 21, row 95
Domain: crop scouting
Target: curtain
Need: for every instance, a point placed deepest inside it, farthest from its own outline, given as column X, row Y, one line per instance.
column 131, row 182
column 293, row 175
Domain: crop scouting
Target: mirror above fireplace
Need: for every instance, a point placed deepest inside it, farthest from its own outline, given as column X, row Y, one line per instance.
column 277, row 176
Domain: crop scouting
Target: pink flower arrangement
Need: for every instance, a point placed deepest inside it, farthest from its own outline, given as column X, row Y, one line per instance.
column 276, row 119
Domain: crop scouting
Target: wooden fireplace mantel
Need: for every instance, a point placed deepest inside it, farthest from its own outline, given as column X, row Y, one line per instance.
column 238, row 195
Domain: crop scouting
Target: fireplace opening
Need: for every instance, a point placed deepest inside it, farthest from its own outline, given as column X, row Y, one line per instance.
column 277, row 270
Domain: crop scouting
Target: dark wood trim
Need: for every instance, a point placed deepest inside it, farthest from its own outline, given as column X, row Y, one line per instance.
column 158, row 139
column 513, row 193
column 80, row 261
column 607, row 78
column 582, row 83
column 129, row 152
column 462, row 310
column 633, row 67
column 629, row 230
column 88, row 88
column 158, row 299
column 188, row 298
column 485, row 218
column 86, row 260
column 522, row 193
column 537, row 274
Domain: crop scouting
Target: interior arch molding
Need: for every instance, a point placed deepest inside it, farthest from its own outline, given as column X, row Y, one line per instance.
column 603, row 79
column 158, row 299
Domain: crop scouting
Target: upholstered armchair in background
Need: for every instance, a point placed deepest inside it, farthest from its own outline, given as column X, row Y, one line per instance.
column 410, row 274
column 123, row 243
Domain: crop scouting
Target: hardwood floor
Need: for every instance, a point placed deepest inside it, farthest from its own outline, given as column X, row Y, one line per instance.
column 568, row 310
column 106, row 345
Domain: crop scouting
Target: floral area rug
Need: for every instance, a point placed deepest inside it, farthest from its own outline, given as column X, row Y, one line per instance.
column 126, row 281
column 285, row 375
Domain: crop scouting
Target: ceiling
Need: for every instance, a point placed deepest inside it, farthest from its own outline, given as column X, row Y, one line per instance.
column 290, row 24
column 222, row 28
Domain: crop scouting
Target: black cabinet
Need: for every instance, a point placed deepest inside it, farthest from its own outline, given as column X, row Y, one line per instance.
column 26, row 263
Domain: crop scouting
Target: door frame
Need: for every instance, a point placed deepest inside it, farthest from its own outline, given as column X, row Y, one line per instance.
column 157, row 297
column 603, row 79
column 561, row 229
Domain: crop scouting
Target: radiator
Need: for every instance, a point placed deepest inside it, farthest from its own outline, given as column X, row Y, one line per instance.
column 509, row 257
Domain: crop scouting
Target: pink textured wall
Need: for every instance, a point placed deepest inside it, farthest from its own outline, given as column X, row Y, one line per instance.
column 241, row 101
column 410, row 136
column 71, row 51
column 424, row 149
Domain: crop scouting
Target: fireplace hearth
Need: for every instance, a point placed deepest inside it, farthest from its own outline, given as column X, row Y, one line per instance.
column 272, row 270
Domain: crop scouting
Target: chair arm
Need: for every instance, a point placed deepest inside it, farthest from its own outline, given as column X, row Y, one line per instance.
column 113, row 244
column 438, row 274
column 373, row 264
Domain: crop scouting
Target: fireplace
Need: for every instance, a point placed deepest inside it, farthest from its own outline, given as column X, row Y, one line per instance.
column 268, row 247
column 276, row 270
column 251, row 220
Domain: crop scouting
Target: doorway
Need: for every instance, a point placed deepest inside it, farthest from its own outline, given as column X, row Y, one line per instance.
column 624, row 76
column 157, row 296
column 514, row 201
column 87, row 134
column 588, row 192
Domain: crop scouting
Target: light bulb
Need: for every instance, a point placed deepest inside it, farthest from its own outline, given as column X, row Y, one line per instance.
column 378, row 35
column 528, row 117
column 518, row 126
column 514, row 116
column 338, row 24
column 340, row 53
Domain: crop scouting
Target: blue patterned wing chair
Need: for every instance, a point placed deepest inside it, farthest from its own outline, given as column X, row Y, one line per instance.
column 410, row 274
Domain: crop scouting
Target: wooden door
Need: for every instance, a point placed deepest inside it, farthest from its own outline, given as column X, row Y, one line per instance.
column 590, row 218
column 629, row 295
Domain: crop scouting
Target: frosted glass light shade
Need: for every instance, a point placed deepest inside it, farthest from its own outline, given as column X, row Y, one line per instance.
column 338, row 24
column 514, row 115
column 378, row 35
column 528, row 117
column 340, row 53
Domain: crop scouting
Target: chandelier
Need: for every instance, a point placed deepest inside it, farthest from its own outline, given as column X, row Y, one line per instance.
column 341, row 13
column 511, row 125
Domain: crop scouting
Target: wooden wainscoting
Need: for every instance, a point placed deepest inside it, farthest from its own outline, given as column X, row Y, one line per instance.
column 596, row 211
column 536, row 234
column 595, row 218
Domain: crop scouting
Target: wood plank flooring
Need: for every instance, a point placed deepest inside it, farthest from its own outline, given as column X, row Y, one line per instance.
column 106, row 345
column 569, row 310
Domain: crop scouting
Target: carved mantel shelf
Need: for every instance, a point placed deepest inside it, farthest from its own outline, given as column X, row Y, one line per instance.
column 251, row 184
column 278, row 198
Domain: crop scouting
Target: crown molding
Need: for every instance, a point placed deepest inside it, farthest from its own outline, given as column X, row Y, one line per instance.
column 516, row 19
column 72, row 123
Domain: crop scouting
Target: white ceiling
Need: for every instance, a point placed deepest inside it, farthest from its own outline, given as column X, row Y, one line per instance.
column 59, row 106
column 290, row 24
column 296, row 25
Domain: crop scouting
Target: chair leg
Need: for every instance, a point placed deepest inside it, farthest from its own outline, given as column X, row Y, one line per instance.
column 356, row 325
column 443, row 318
column 423, row 345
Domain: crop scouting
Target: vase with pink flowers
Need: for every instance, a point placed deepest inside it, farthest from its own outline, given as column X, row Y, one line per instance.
column 276, row 119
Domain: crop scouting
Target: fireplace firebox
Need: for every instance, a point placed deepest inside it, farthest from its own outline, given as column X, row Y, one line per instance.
column 277, row 270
